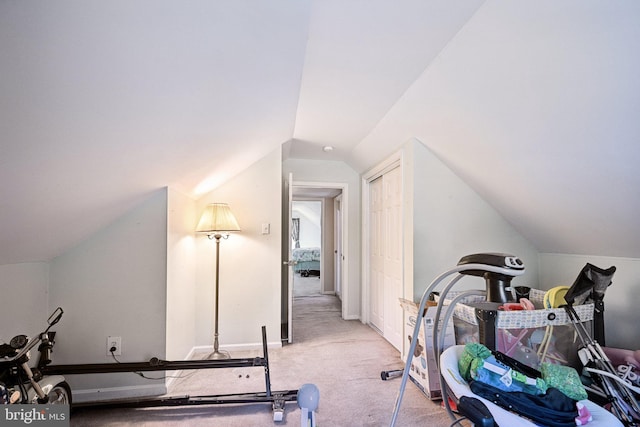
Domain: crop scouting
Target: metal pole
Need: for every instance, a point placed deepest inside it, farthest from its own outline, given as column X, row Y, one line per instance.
column 216, row 353
column 267, row 376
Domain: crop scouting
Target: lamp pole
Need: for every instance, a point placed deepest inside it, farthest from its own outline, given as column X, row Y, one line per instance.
column 216, row 353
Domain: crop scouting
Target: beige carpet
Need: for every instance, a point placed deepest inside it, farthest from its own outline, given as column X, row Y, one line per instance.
column 306, row 286
column 342, row 358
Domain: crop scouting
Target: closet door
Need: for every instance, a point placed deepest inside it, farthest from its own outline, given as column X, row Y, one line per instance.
column 385, row 256
column 376, row 255
column 392, row 202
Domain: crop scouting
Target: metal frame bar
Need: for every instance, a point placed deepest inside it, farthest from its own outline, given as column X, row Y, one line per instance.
column 152, row 365
column 277, row 399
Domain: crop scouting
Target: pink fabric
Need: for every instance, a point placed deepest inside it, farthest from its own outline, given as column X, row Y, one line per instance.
column 524, row 304
column 620, row 356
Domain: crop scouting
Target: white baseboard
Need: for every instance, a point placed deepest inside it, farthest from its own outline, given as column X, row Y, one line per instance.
column 95, row 395
column 100, row 394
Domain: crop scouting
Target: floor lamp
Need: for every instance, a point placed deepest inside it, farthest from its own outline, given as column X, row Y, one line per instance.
column 217, row 221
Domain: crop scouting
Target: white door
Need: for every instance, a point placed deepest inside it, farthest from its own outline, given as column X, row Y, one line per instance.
column 289, row 259
column 392, row 202
column 376, row 255
column 338, row 255
column 385, row 255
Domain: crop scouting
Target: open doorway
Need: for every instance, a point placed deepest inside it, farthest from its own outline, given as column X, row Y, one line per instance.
column 306, row 241
column 316, row 261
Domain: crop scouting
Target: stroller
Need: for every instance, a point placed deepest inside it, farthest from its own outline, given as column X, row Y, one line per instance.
column 603, row 384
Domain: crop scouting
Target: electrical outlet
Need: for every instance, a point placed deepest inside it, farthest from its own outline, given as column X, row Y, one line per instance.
column 116, row 344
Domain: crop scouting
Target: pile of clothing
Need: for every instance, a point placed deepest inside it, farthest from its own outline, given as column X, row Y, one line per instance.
column 550, row 396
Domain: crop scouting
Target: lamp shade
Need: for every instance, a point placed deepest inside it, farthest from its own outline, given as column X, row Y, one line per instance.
column 217, row 217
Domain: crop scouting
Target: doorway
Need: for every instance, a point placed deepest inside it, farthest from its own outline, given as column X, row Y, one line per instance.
column 316, row 220
column 307, row 247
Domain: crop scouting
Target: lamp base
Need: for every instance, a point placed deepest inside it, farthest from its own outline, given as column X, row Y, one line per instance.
column 219, row 355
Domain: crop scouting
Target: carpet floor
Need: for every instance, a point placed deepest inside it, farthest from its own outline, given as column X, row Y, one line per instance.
column 342, row 358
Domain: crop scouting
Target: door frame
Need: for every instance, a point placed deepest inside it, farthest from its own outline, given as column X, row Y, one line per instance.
column 346, row 292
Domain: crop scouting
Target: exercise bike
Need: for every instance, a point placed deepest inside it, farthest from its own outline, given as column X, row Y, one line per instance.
column 22, row 384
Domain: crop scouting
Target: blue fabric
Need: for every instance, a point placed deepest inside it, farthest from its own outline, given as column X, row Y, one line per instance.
column 553, row 409
column 491, row 378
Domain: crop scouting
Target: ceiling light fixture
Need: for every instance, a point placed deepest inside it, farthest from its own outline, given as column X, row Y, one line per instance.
column 327, row 148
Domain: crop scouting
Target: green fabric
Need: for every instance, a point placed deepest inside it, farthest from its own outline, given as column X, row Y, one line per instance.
column 541, row 385
column 564, row 378
column 472, row 358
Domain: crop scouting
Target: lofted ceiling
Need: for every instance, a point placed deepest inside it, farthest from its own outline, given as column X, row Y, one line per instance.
column 534, row 104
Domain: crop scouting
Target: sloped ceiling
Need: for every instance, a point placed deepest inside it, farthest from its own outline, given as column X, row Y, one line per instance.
column 534, row 104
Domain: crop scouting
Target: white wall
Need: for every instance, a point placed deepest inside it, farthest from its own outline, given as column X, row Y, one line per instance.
column 250, row 262
column 181, row 275
column 310, row 215
column 338, row 172
column 622, row 298
column 24, row 294
column 450, row 220
column 114, row 283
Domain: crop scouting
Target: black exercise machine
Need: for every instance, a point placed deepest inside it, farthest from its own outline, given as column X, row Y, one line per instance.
column 277, row 399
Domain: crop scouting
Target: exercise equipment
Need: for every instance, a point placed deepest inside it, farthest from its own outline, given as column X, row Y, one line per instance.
column 308, row 398
column 277, row 399
column 394, row 373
